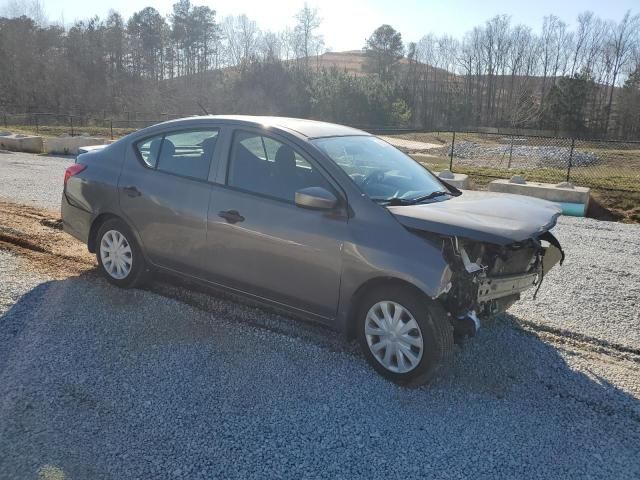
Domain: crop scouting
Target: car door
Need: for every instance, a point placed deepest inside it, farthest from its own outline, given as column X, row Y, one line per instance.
column 260, row 242
column 164, row 193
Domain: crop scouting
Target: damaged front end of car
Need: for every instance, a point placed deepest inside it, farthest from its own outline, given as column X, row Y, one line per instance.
column 488, row 278
column 496, row 246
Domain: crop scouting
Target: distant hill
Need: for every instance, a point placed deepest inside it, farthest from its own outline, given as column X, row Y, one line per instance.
column 353, row 62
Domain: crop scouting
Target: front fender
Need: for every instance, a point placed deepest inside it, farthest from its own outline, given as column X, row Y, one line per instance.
column 403, row 256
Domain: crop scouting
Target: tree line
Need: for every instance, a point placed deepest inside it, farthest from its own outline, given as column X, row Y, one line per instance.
column 583, row 81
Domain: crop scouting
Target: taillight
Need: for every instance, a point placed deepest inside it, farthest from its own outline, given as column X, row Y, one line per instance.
column 73, row 170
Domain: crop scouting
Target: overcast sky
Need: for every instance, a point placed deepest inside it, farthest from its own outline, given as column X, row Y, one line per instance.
column 346, row 23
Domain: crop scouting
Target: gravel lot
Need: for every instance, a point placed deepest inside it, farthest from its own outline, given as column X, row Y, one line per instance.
column 522, row 155
column 98, row 382
column 33, row 179
column 596, row 291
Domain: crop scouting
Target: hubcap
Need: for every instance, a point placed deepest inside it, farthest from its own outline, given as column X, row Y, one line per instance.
column 393, row 336
column 115, row 253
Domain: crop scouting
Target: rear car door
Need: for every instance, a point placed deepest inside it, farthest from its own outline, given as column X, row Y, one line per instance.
column 164, row 193
column 260, row 242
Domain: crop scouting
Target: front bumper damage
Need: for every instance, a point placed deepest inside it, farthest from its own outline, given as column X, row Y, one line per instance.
column 492, row 288
column 482, row 293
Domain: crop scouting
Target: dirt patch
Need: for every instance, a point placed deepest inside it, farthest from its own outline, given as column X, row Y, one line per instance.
column 621, row 205
column 600, row 212
column 410, row 145
column 56, row 224
column 36, row 235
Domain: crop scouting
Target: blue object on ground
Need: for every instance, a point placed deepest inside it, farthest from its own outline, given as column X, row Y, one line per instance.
column 573, row 209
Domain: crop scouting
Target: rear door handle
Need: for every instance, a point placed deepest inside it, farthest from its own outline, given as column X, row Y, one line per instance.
column 231, row 216
column 132, row 191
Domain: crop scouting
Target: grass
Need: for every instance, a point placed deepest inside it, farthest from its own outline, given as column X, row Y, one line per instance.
column 616, row 157
column 57, row 131
column 619, row 170
column 624, row 206
column 615, row 193
column 614, row 181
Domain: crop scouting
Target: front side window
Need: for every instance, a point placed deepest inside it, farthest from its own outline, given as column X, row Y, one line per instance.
column 381, row 171
column 265, row 166
column 186, row 153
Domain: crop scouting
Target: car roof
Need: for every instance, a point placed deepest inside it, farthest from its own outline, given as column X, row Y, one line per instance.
column 304, row 127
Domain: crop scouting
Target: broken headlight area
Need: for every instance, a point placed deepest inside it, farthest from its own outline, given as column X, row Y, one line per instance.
column 487, row 278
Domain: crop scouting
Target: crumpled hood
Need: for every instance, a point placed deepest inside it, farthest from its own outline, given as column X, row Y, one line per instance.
column 498, row 218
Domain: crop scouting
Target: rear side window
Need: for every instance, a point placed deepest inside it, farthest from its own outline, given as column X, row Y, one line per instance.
column 148, row 150
column 185, row 153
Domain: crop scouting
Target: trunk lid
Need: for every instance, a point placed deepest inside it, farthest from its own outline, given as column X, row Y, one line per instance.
column 498, row 218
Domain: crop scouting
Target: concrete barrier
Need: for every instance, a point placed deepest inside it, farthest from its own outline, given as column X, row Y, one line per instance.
column 458, row 180
column 70, row 145
column 21, row 143
column 574, row 200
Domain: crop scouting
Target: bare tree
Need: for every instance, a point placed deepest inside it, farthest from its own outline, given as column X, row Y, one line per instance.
column 308, row 41
column 561, row 43
column 517, row 62
column 271, row 46
column 526, row 110
column 586, row 25
column 496, row 45
column 34, row 9
column 548, row 45
column 289, row 42
column 623, row 39
column 243, row 38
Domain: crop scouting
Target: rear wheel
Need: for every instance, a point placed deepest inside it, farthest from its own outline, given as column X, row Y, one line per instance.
column 119, row 255
column 404, row 335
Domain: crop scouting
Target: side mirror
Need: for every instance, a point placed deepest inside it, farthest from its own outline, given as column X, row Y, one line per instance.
column 316, row 198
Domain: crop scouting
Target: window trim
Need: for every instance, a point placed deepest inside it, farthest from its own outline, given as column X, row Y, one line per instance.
column 342, row 202
column 162, row 135
column 136, row 149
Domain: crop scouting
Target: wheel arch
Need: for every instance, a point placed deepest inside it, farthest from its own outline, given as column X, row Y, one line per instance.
column 99, row 221
column 363, row 290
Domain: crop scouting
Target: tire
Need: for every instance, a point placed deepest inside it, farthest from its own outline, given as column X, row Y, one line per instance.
column 431, row 329
column 129, row 267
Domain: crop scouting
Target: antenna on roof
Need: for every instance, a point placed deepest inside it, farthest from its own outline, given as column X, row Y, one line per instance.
column 203, row 109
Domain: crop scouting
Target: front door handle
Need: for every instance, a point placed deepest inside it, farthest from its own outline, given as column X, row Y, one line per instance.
column 132, row 191
column 231, row 216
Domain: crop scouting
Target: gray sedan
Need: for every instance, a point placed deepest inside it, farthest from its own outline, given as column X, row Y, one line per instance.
column 324, row 221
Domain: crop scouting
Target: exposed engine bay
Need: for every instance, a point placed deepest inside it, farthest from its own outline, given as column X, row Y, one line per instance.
column 488, row 278
column 496, row 247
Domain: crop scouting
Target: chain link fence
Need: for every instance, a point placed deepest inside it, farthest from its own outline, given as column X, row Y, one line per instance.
column 64, row 124
column 599, row 164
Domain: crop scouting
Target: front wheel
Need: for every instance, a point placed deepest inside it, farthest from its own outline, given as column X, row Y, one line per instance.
column 119, row 256
column 404, row 335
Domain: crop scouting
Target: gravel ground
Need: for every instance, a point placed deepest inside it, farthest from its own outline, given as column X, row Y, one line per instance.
column 34, row 179
column 16, row 280
column 596, row 292
column 97, row 382
column 603, row 263
column 522, row 155
column 103, row 383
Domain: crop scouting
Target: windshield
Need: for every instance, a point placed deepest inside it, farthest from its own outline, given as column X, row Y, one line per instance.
column 381, row 171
